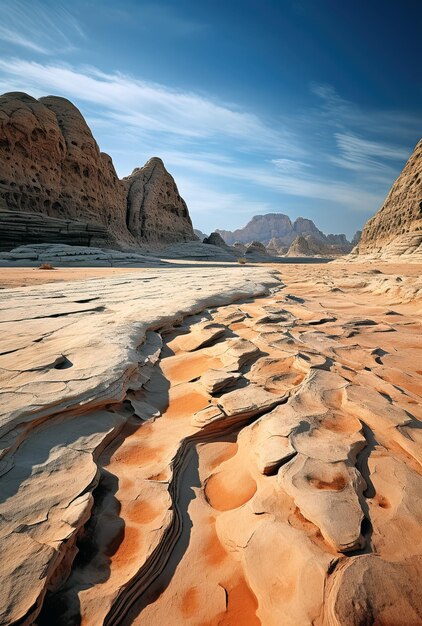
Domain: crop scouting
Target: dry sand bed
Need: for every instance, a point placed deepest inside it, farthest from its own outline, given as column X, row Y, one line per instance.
column 262, row 465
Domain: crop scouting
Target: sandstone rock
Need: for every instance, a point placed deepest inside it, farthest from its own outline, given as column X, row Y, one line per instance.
column 356, row 238
column 277, row 232
column 248, row 401
column 240, row 247
column 208, row 415
column 388, row 592
column 200, row 336
column 184, row 515
column 396, row 229
column 215, row 239
column 310, row 246
column 327, row 495
column 196, row 251
column 299, row 247
column 214, row 380
column 234, row 353
column 155, row 210
column 63, row 255
column 51, row 165
column 275, row 247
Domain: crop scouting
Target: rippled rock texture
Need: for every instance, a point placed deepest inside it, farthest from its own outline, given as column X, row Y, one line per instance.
column 209, row 456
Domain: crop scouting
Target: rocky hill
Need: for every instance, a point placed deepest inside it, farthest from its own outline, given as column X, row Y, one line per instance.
column 311, row 246
column 278, row 232
column 155, row 210
column 52, row 165
column 396, row 229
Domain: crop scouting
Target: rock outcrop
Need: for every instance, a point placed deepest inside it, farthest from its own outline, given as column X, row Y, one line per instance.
column 155, row 211
column 201, row 236
column 310, row 246
column 395, row 231
column 23, row 228
column 275, row 247
column 52, row 165
column 256, row 249
column 277, row 232
column 215, row 239
column 207, row 461
column 264, row 227
column 356, row 238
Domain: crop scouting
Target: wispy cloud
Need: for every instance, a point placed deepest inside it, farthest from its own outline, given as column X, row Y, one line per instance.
column 295, row 183
column 14, row 37
column 338, row 112
column 150, row 107
column 226, row 158
column 41, row 27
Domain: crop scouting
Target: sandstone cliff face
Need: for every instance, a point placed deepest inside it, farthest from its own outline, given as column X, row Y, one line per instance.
column 51, row 164
column 396, row 229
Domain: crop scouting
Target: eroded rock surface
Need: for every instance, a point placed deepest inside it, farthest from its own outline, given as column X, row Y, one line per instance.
column 395, row 231
column 52, row 165
column 155, row 211
column 248, row 463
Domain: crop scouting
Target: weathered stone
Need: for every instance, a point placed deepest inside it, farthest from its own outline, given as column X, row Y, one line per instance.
column 155, row 211
column 52, row 165
column 396, row 229
column 214, row 381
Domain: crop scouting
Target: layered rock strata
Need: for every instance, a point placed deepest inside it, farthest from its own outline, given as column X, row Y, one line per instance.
column 19, row 229
column 216, row 442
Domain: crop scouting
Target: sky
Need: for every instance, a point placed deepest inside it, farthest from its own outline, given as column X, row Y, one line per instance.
column 303, row 107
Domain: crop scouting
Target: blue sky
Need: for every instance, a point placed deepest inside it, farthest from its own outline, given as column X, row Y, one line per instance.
column 304, row 107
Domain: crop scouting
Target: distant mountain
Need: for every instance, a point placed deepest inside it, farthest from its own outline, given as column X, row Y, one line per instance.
column 201, row 236
column 356, row 237
column 277, row 231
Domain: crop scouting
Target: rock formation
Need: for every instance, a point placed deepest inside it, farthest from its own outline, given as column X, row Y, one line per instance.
column 278, row 232
column 21, row 228
column 233, row 460
column 275, row 247
column 51, row 165
column 395, row 231
column 155, row 211
column 256, row 249
column 310, row 246
column 201, row 236
column 264, row 227
column 215, row 239
column 356, row 238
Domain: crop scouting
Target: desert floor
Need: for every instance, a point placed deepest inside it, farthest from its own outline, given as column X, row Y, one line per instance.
column 259, row 462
